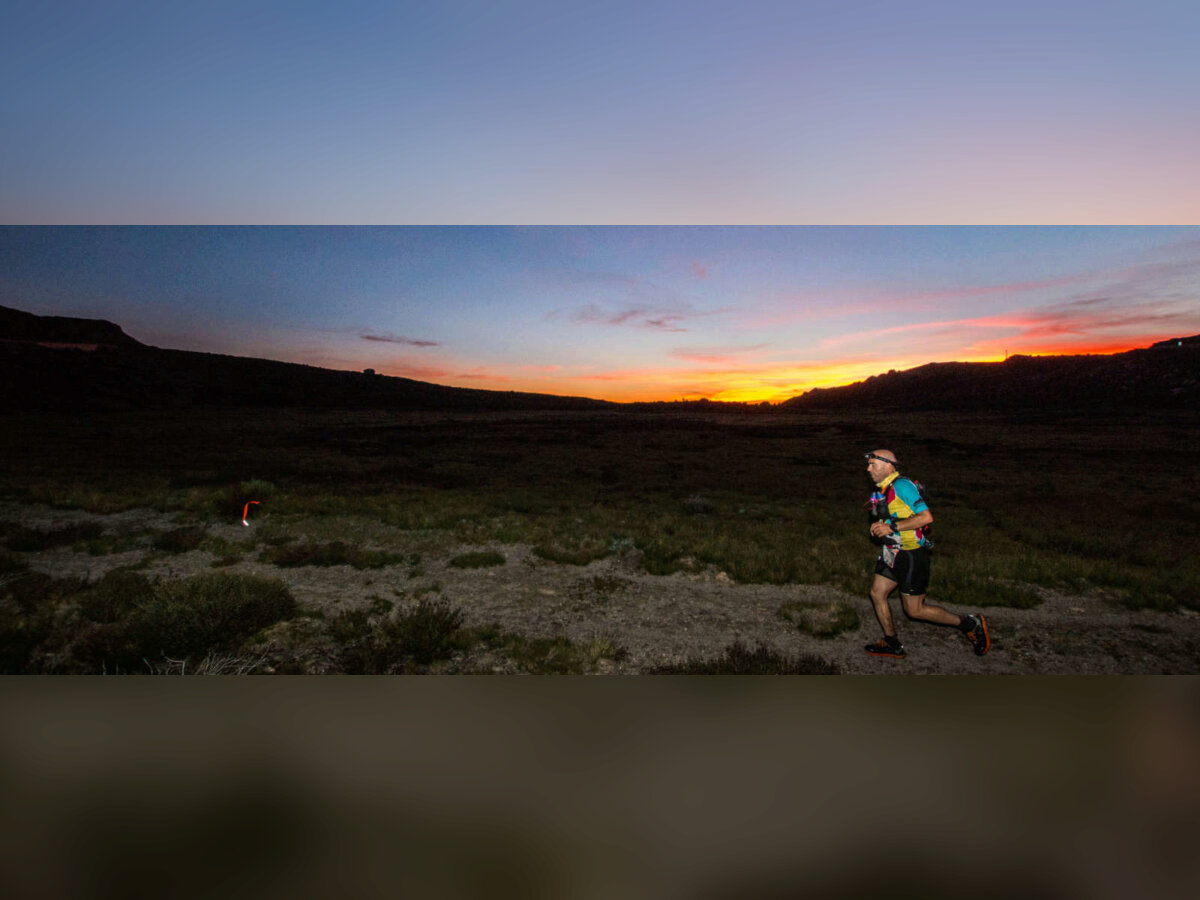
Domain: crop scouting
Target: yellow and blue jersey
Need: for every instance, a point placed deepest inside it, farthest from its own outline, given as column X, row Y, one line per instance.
column 902, row 500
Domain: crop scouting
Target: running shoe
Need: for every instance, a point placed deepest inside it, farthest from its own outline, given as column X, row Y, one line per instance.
column 977, row 634
column 883, row 648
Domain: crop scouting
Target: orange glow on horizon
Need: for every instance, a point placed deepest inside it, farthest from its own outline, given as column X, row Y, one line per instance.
column 1094, row 348
column 755, row 385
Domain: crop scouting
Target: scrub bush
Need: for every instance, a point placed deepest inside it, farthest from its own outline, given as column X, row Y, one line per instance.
column 821, row 619
column 213, row 611
column 477, row 560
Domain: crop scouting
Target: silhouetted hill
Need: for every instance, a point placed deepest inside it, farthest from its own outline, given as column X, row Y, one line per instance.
column 57, row 363
column 1166, row 375
column 16, row 325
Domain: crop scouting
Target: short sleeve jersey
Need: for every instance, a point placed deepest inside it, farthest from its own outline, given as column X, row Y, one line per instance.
column 903, row 501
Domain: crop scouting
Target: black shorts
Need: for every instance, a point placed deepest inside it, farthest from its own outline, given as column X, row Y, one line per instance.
column 911, row 571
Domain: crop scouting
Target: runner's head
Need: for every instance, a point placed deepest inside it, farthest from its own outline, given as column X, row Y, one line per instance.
column 881, row 464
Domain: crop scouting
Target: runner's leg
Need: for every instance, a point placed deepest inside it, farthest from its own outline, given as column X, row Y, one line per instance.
column 915, row 607
column 881, row 589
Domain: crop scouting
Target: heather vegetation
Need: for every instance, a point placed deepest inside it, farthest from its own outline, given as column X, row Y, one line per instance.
column 126, row 622
column 738, row 659
column 1023, row 503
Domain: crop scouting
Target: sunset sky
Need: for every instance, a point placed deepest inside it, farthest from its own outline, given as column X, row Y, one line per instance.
column 619, row 313
column 599, row 112
column 507, row 147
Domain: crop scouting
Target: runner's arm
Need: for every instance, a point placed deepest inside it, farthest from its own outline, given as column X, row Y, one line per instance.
column 918, row 520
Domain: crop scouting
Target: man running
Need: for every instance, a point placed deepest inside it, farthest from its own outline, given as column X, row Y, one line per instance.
column 900, row 518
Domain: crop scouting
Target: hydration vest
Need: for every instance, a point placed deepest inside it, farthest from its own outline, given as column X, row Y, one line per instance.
column 878, row 510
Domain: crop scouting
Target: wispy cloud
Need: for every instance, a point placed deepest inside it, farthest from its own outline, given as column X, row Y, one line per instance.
column 656, row 301
column 1126, row 308
column 636, row 317
column 817, row 305
column 399, row 339
column 1131, row 284
column 716, row 355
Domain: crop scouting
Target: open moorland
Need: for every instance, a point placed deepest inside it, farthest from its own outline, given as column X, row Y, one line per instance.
column 587, row 541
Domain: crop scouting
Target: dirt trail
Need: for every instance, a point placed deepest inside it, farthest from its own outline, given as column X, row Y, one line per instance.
column 663, row 620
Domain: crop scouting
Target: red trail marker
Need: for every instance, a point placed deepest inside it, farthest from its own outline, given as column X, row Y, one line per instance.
column 246, row 512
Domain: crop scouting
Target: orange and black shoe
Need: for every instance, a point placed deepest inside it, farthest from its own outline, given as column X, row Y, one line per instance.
column 976, row 630
column 887, row 646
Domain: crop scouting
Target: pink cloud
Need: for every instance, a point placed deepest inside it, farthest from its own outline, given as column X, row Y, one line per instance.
column 397, row 339
column 1084, row 325
column 1090, row 326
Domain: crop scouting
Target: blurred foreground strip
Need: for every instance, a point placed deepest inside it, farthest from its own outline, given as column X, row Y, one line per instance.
column 664, row 788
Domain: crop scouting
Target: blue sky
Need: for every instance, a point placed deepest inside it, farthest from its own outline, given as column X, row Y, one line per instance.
column 623, row 313
column 922, row 112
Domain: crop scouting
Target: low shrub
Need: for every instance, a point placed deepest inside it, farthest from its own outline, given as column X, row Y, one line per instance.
column 32, row 608
column 608, row 584
column 114, row 596
column 821, row 618
column 371, row 643
column 478, row 560
column 32, row 540
column 207, row 612
column 431, row 630
column 119, row 542
column 233, row 499
column 179, row 540
column 577, row 554
column 335, row 553
column 738, row 659
column 557, row 655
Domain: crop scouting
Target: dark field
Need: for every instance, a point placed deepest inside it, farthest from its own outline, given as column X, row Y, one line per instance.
column 415, row 542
